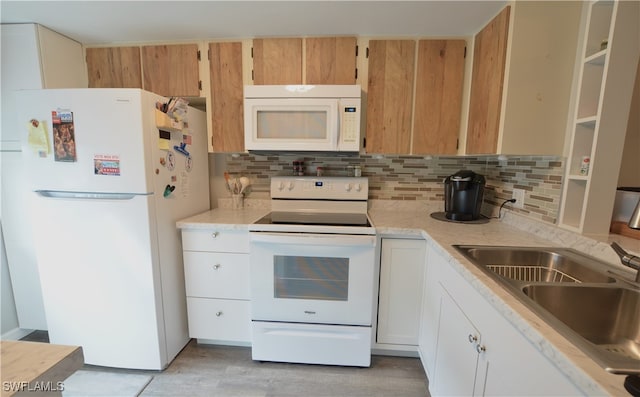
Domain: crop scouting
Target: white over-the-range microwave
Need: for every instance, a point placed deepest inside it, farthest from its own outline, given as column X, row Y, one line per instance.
column 302, row 118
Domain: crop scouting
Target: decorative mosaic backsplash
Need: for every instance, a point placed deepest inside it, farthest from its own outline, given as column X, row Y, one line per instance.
column 421, row 178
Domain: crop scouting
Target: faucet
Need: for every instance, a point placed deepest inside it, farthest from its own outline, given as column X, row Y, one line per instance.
column 627, row 259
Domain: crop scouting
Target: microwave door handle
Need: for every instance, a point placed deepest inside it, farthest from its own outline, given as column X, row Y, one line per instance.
column 336, row 143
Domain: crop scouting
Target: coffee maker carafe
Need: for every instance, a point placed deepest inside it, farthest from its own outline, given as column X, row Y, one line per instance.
column 463, row 193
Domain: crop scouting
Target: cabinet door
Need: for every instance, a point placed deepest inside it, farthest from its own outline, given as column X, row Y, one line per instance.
column 62, row 63
column 171, row 70
column 330, row 60
column 438, row 103
column 489, row 57
column 277, row 61
column 114, row 67
column 430, row 315
column 401, row 280
column 456, row 357
column 225, row 68
column 390, row 96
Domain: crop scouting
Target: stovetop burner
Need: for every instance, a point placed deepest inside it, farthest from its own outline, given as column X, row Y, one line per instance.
column 315, row 218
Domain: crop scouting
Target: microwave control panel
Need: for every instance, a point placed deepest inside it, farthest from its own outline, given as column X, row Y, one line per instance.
column 350, row 123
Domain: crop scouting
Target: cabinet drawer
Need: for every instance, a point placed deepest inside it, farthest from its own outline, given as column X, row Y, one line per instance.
column 216, row 275
column 219, row 319
column 215, row 240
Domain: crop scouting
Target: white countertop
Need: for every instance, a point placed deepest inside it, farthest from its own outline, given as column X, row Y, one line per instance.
column 511, row 230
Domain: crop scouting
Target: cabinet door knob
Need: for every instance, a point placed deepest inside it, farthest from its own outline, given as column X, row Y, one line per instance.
column 214, row 234
column 473, row 338
column 216, row 266
column 218, row 314
column 480, row 349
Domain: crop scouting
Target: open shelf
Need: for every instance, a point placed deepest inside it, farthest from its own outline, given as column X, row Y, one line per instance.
column 599, row 26
column 575, row 195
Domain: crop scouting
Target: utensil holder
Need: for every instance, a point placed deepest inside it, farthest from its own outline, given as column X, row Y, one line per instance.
column 237, row 201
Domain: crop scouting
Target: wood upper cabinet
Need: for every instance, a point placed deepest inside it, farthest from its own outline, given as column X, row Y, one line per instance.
column 114, row 67
column 327, row 60
column 521, row 83
column 390, row 96
column 438, row 102
column 225, row 69
column 489, row 61
column 171, row 70
column 330, row 60
column 277, row 61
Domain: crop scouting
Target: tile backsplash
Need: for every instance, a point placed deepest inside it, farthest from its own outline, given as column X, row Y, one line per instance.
column 420, row 178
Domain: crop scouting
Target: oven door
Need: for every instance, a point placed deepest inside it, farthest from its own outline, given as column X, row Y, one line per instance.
column 312, row 278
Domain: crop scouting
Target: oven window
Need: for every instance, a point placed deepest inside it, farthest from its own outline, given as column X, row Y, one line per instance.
column 310, row 277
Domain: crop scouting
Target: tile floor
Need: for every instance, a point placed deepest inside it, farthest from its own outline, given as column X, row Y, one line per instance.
column 208, row 370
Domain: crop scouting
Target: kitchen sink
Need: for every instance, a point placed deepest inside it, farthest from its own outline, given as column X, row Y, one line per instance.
column 575, row 293
column 607, row 317
column 525, row 264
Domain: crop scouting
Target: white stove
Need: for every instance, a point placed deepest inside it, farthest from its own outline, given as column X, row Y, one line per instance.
column 313, row 273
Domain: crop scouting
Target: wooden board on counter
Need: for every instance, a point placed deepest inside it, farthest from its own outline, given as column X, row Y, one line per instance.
column 30, row 365
column 623, row 229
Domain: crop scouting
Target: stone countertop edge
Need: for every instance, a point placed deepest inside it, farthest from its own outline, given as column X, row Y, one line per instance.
column 511, row 230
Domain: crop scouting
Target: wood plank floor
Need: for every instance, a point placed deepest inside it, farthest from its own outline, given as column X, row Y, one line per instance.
column 208, row 370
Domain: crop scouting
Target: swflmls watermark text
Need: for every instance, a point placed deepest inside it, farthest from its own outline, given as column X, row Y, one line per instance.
column 39, row 386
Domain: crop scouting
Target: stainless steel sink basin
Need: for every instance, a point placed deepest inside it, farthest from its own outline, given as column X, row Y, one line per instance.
column 575, row 293
column 607, row 317
column 526, row 264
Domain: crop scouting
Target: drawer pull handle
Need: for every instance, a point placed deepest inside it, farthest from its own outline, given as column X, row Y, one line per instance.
column 214, row 234
column 216, row 266
column 218, row 314
column 473, row 338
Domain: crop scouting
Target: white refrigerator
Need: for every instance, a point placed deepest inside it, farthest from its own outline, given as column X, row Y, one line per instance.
column 108, row 187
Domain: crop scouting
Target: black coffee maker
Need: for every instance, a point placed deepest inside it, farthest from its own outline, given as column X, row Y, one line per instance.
column 463, row 193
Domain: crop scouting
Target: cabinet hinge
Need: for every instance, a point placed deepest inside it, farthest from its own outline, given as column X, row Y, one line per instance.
column 200, row 85
column 457, row 143
column 356, row 50
column 364, row 142
column 367, row 52
column 465, row 52
column 199, row 55
column 356, row 73
column 209, row 55
column 251, row 52
column 252, row 78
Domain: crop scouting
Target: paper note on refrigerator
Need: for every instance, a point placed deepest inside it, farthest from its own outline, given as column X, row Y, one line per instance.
column 38, row 139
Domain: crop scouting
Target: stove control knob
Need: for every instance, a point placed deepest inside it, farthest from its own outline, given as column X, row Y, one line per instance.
column 347, row 187
column 358, row 187
column 291, row 185
column 280, row 185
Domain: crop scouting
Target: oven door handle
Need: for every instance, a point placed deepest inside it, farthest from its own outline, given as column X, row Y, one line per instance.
column 313, row 239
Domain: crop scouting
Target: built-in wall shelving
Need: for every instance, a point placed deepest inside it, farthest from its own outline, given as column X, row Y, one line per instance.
column 610, row 44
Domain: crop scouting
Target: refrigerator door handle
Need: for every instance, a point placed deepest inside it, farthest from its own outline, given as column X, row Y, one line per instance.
column 87, row 195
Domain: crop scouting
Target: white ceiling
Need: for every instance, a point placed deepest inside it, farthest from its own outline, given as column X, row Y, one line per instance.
column 110, row 22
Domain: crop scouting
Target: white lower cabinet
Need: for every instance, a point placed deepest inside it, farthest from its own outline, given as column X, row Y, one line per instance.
column 216, row 266
column 469, row 349
column 219, row 319
column 401, row 282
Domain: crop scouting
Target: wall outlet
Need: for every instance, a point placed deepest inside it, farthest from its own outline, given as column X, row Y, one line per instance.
column 518, row 194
